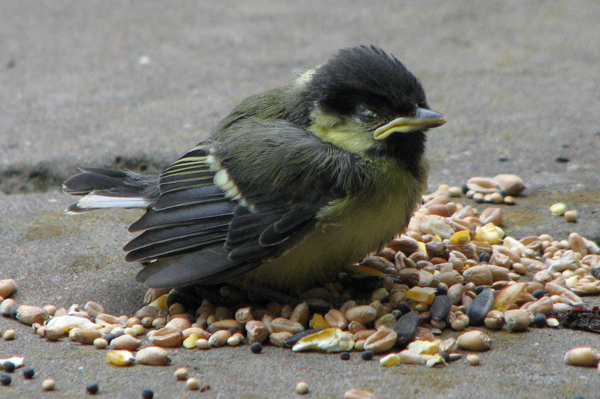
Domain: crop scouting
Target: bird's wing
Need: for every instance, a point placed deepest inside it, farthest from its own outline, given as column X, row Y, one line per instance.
column 229, row 204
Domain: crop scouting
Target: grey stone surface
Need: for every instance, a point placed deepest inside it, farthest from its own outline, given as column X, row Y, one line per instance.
column 136, row 84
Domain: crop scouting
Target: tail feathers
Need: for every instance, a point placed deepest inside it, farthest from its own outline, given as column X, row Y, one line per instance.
column 104, row 188
column 92, row 179
column 97, row 200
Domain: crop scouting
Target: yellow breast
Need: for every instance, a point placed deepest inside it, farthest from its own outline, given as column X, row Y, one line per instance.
column 348, row 230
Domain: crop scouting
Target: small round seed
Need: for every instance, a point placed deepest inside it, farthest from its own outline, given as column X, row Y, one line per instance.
column 100, row 343
column 558, row 209
column 539, row 320
column 345, row 355
column 132, row 321
column 7, row 287
column 126, row 341
column 473, row 359
column 94, row 308
column 153, row 355
column 147, row 321
column 512, row 184
column 367, row 355
column 301, row 314
column 280, row 324
column 5, row 379
column 28, row 373
column 509, row 200
column 138, row 329
column 9, row 334
column 537, row 294
column 85, row 336
column 494, row 320
column 159, row 322
column 28, row 314
column 363, row 314
column 474, row 340
column 219, row 338
column 552, row 322
column 203, row 343
column 571, row 216
column 51, row 333
column 179, row 323
column 256, row 347
column 192, row 383
column 130, row 331
column 181, row 373
column 382, row 340
column 236, row 339
column 92, row 388
column 166, row 336
column 455, row 191
column 8, row 366
column 147, row 393
column 48, row 384
column 302, row 388
column 7, row 306
column 583, row 356
column 484, row 185
column 256, row 331
column 516, row 320
column 494, row 198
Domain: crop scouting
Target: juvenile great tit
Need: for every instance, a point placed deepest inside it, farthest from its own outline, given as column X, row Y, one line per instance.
column 292, row 186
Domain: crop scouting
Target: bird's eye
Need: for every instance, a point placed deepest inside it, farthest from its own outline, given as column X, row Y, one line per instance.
column 366, row 114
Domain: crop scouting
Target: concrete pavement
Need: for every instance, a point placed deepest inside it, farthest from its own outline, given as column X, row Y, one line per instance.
column 136, row 84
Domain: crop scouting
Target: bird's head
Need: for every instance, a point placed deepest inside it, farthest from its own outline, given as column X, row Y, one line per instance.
column 363, row 97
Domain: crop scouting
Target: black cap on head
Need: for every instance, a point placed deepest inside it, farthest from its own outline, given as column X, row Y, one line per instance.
column 365, row 75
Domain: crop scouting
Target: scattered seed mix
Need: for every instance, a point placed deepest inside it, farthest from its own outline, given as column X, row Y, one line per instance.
column 453, row 267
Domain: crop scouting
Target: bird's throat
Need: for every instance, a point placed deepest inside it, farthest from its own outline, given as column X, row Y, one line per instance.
column 406, row 149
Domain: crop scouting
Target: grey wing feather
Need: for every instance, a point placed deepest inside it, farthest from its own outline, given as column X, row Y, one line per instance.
column 199, row 235
column 213, row 261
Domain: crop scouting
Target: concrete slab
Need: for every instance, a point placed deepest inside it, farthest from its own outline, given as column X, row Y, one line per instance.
column 136, row 84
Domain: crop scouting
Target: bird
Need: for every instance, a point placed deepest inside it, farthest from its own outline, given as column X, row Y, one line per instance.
column 290, row 188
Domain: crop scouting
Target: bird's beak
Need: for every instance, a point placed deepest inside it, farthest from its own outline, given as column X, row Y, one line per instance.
column 424, row 119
